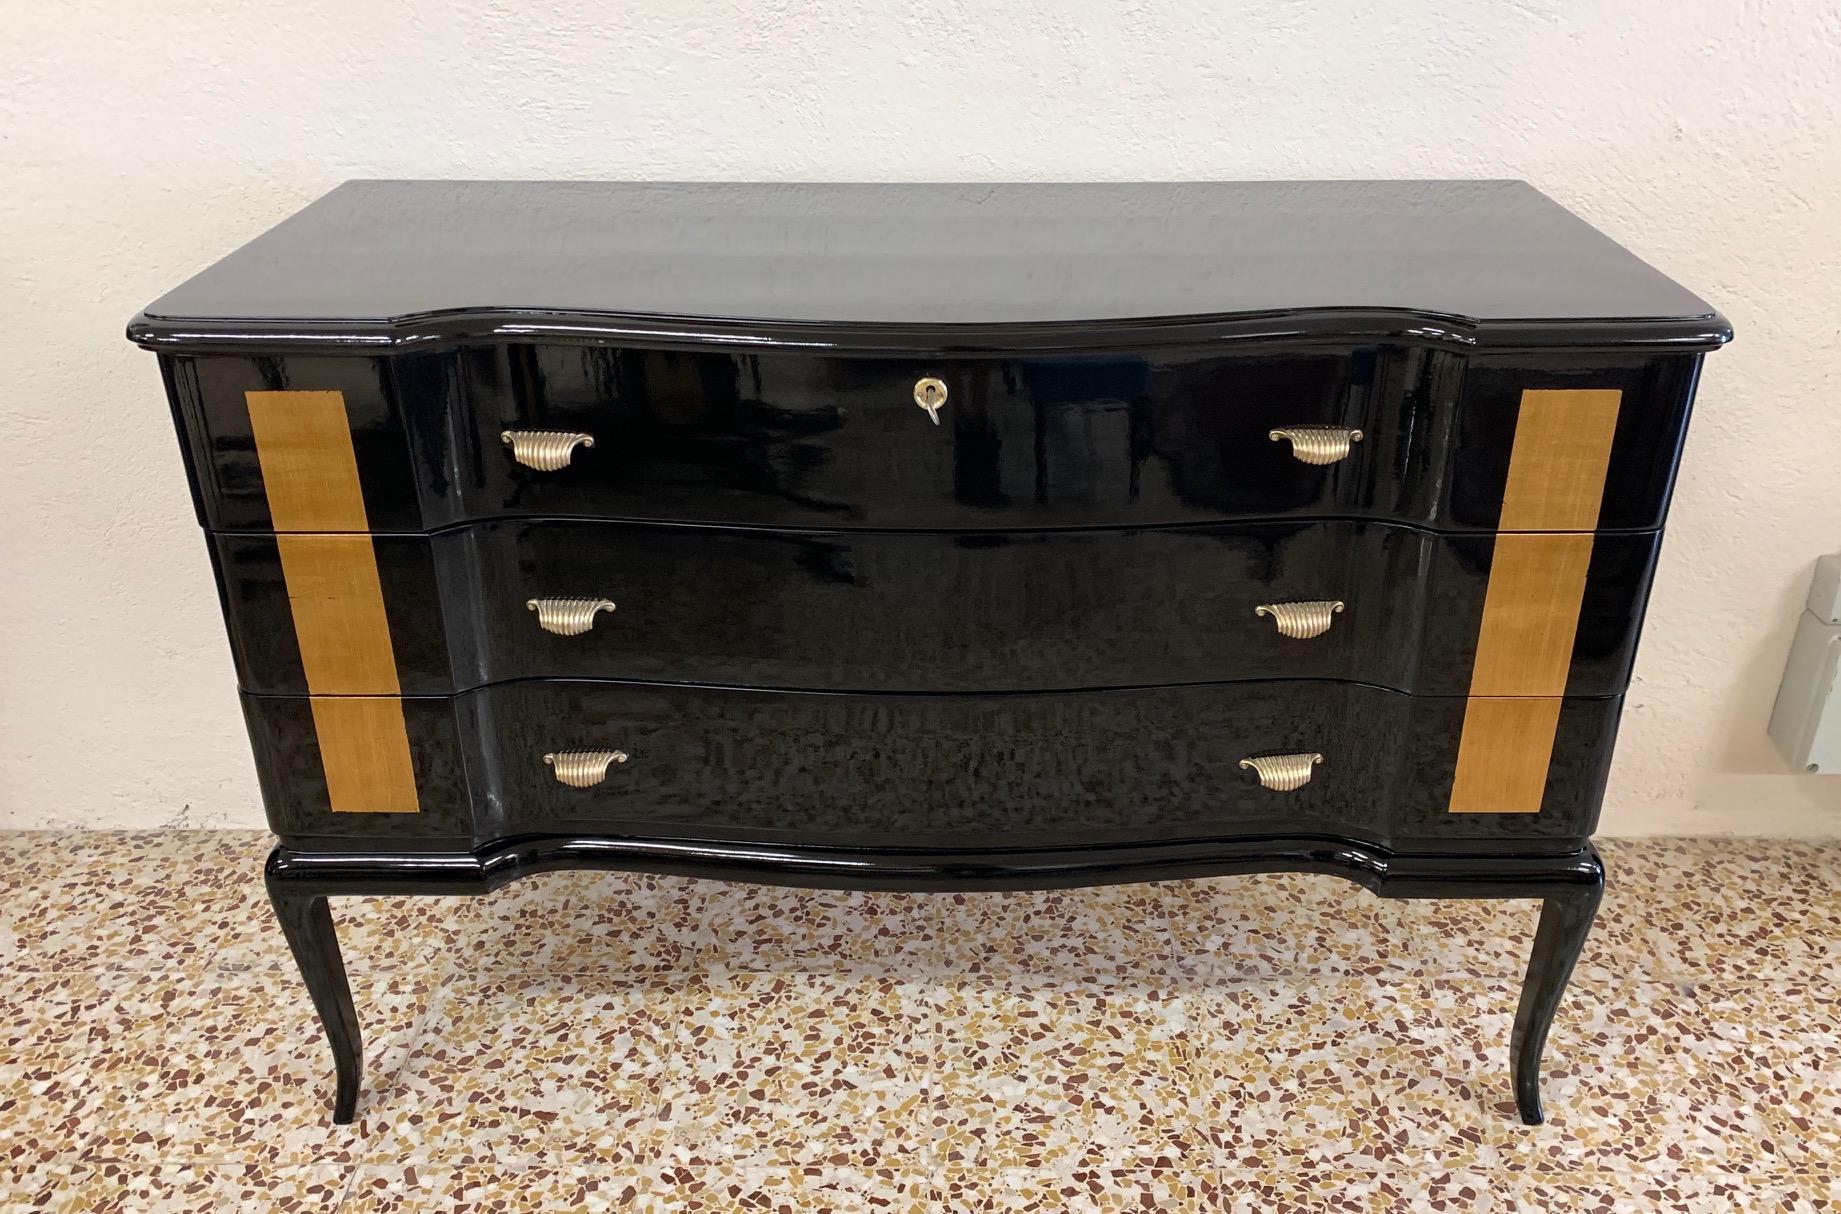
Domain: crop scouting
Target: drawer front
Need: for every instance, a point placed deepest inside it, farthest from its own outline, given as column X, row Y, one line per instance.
column 939, row 771
column 792, row 440
column 928, row 612
column 796, row 440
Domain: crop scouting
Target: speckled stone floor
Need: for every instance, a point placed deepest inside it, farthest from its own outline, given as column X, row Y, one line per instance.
column 597, row 1041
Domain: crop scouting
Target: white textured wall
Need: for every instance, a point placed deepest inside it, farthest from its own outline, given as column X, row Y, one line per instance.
column 138, row 142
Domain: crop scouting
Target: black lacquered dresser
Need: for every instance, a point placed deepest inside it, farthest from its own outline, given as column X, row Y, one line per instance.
column 933, row 536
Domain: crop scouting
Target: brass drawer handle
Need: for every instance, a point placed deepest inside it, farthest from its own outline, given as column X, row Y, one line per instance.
column 1317, row 444
column 583, row 768
column 568, row 617
column 1283, row 773
column 1302, row 620
column 930, row 394
column 545, row 450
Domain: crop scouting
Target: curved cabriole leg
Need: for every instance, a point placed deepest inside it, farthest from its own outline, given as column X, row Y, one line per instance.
column 1566, row 919
column 306, row 921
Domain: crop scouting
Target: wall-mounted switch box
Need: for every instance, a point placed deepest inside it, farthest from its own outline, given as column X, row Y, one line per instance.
column 1806, row 724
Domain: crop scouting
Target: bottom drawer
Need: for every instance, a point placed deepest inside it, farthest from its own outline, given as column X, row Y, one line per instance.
column 1030, row 769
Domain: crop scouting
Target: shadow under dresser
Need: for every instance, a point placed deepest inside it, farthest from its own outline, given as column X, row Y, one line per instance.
column 933, row 536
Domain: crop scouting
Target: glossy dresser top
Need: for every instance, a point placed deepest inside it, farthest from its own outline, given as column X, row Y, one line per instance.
column 915, row 266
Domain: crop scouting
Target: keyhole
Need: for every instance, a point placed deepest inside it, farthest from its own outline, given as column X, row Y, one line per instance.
column 930, row 394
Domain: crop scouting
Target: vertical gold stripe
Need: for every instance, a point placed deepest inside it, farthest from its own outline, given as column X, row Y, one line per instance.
column 364, row 747
column 338, row 607
column 1556, row 482
column 1502, row 758
column 310, row 474
column 1530, row 615
column 1557, row 465
column 309, row 470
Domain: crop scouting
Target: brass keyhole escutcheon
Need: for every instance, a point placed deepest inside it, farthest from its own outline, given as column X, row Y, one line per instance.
column 930, row 394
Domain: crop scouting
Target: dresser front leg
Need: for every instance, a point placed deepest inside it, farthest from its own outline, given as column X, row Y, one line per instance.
column 306, row 921
column 1566, row 919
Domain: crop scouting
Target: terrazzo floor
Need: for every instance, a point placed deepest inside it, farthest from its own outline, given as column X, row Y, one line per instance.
column 602, row 1041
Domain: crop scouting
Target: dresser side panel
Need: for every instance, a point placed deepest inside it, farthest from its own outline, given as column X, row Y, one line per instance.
column 228, row 468
column 186, row 403
column 265, row 629
column 1569, row 795
column 1637, row 476
column 292, row 769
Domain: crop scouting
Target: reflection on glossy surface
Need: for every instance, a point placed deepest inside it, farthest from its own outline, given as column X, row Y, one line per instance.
column 789, row 440
column 1066, row 769
column 926, row 611
column 796, row 441
column 1450, row 260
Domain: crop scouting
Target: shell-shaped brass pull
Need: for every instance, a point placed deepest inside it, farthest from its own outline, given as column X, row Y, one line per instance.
column 568, row 617
column 545, row 450
column 1283, row 773
column 583, row 768
column 1302, row 620
column 1317, row 444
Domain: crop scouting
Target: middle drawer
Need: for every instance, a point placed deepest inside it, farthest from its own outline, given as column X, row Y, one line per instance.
column 929, row 611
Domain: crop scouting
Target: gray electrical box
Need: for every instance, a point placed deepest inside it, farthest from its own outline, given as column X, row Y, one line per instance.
column 1806, row 724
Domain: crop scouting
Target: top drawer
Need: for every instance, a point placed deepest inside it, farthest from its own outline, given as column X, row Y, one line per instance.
column 1407, row 433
